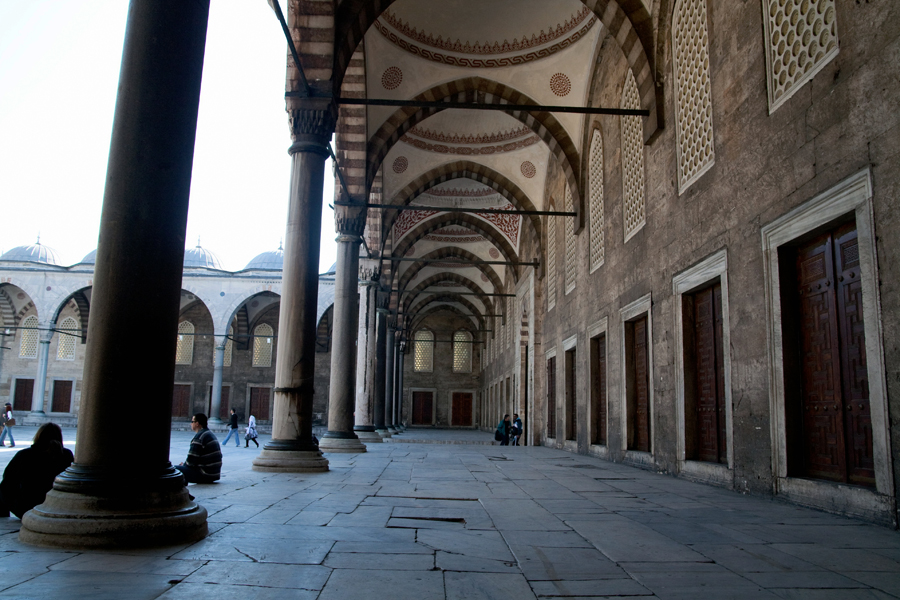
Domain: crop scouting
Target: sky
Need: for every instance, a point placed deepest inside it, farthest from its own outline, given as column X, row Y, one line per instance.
column 59, row 70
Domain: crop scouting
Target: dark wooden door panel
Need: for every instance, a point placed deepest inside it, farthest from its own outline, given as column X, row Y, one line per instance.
column 598, row 391
column 462, row 409
column 551, row 397
column 181, row 401
column 62, row 396
column 259, row 403
column 423, row 408
column 710, row 375
column 24, row 392
column 642, row 387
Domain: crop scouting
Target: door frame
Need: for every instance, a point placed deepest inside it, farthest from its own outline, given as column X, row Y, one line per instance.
column 71, row 395
column 852, row 195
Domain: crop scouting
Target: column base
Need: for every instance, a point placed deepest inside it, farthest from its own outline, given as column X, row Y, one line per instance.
column 290, row 461
column 83, row 511
column 330, row 443
column 368, row 437
column 393, row 429
column 384, row 433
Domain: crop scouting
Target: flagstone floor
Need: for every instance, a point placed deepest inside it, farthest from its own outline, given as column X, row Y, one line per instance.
column 431, row 520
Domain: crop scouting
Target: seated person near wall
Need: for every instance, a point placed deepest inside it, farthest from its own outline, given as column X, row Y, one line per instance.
column 204, row 459
column 30, row 474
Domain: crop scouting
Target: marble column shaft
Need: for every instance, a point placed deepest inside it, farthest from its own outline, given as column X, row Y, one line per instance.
column 380, row 370
column 365, row 362
column 109, row 496
column 215, row 406
column 40, row 381
column 401, row 359
column 390, row 369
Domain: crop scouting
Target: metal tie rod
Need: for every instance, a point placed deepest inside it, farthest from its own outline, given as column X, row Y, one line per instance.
column 466, row 261
column 458, row 293
column 498, row 106
column 493, row 211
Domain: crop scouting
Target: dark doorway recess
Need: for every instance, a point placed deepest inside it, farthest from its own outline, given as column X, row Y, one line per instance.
column 551, row 397
column 423, row 408
column 24, row 392
column 462, row 409
column 637, row 376
column 181, row 400
column 598, row 390
column 62, row 396
column 829, row 423
column 259, row 403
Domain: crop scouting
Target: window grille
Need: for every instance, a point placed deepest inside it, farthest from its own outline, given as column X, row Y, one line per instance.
column 28, row 347
column 229, row 346
column 551, row 262
column 571, row 265
column 424, row 351
column 462, row 352
column 65, row 350
column 693, row 95
column 595, row 197
column 262, row 345
column 632, row 160
column 184, row 351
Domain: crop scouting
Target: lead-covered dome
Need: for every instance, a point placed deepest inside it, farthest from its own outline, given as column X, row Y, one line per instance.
column 201, row 257
column 272, row 260
column 37, row 253
column 90, row 258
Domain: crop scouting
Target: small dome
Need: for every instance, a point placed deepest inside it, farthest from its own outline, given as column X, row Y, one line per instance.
column 90, row 258
column 267, row 261
column 201, row 257
column 37, row 253
column 333, row 269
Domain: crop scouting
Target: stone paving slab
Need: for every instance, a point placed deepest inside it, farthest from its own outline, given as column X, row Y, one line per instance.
column 447, row 521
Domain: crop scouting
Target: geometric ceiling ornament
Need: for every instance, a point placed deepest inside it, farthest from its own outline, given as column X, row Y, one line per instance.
column 560, row 84
column 400, row 164
column 391, row 78
column 528, row 169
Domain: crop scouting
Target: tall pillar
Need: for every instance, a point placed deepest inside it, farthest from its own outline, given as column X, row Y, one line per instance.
column 292, row 448
column 364, row 424
column 128, row 495
column 401, row 355
column 40, row 380
column 381, row 366
column 390, row 369
column 340, row 436
column 215, row 406
column 395, row 420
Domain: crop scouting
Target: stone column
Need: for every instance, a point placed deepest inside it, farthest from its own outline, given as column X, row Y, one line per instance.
column 380, row 366
column 390, row 370
column 292, row 448
column 365, row 356
column 401, row 355
column 125, row 492
column 340, row 436
column 40, row 380
column 395, row 421
column 218, row 363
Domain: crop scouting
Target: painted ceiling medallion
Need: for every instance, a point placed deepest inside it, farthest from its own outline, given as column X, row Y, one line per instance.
column 391, row 78
column 484, row 278
column 466, row 54
column 495, row 254
column 411, row 250
column 400, row 164
column 560, row 84
column 528, row 169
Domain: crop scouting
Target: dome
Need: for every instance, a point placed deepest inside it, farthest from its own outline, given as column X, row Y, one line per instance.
column 37, row 253
column 332, row 269
column 90, row 258
column 267, row 261
column 201, row 257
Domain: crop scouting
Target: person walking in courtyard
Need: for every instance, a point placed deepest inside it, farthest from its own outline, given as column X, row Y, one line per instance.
column 30, row 474
column 503, row 428
column 233, row 431
column 8, row 422
column 516, row 429
column 204, row 460
column 251, row 432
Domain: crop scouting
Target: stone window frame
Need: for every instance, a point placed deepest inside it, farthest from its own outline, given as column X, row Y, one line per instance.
column 707, row 271
column 597, row 329
column 551, row 353
column 630, row 312
column 52, row 389
column 853, row 195
column 66, row 343
column 33, row 337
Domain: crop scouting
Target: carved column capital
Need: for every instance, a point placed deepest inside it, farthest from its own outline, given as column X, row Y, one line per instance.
column 350, row 227
column 312, row 122
column 368, row 273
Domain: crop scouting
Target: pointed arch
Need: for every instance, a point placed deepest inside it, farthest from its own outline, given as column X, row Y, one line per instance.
column 444, row 304
column 448, row 252
column 407, row 303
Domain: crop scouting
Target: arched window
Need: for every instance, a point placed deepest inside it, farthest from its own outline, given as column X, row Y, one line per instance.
column 595, row 195
column 462, row 352
column 423, row 359
column 262, row 345
column 184, row 351
column 693, row 95
column 66, row 348
column 632, row 160
column 551, row 261
column 29, row 342
column 571, row 263
column 229, row 346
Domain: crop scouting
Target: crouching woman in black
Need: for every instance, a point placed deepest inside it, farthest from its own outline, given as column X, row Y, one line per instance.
column 30, row 474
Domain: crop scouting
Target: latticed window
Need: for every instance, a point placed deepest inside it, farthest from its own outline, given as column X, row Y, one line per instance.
column 510, row 320
column 262, row 345
column 29, row 342
column 229, row 347
column 632, row 159
column 571, row 264
column 65, row 350
column 423, row 359
column 801, row 38
column 693, row 95
column 551, row 262
column 184, row 351
column 462, row 352
column 595, row 196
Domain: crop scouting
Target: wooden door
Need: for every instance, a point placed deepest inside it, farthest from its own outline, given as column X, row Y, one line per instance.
column 571, row 404
column 259, row 403
column 423, row 408
column 709, row 375
column 62, row 396
column 641, row 387
column 836, row 436
column 462, row 409
column 224, row 407
column 551, row 397
column 598, row 390
column 181, row 401
column 24, row 392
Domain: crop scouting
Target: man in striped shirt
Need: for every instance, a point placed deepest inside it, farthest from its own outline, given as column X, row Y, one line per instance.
column 204, row 459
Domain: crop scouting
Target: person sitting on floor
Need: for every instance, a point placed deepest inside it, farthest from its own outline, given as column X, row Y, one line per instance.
column 204, row 459
column 30, row 474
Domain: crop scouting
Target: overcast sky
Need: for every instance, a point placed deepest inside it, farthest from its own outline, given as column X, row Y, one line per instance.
column 59, row 70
